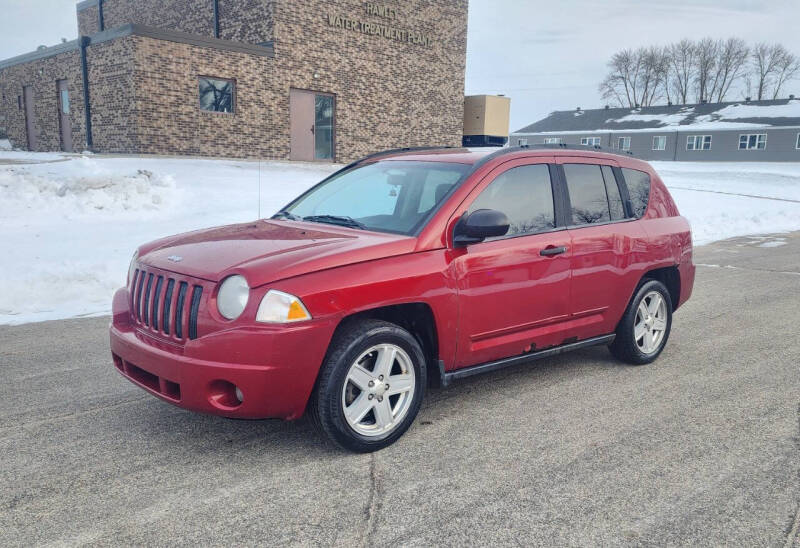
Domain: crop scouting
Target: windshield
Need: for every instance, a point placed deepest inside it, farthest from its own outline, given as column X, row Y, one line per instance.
column 388, row 196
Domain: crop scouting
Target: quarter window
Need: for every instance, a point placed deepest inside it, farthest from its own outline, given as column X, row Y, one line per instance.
column 659, row 142
column 525, row 195
column 753, row 141
column 587, row 194
column 698, row 142
column 590, row 141
column 553, row 140
column 217, row 94
column 624, row 143
column 638, row 183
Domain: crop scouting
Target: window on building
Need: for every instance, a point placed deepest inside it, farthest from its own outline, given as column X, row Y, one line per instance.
column 698, row 142
column 522, row 142
column 638, row 183
column 525, row 195
column 587, row 194
column 797, row 145
column 590, row 141
column 553, row 140
column 217, row 94
column 753, row 141
column 659, row 142
column 624, row 143
column 19, row 102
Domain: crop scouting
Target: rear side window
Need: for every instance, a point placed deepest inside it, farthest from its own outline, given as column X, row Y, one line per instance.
column 587, row 194
column 638, row 183
column 615, row 207
column 525, row 195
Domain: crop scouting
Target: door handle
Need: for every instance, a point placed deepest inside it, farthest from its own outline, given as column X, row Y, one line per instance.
column 551, row 250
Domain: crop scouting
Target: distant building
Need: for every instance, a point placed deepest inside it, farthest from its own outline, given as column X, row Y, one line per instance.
column 327, row 80
column 486, row 120
column 759, row 131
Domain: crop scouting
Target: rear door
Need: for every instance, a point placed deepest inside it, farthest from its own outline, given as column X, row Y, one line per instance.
column 513, row 290
column 607, row 245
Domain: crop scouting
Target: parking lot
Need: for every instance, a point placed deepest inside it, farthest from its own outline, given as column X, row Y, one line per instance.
column 701, row 447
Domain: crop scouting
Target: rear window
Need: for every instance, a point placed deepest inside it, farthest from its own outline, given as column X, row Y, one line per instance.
column 638, row 183
column 587, row 194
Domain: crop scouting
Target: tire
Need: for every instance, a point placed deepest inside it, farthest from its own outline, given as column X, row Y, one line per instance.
column 633, row 345
column 351, row 411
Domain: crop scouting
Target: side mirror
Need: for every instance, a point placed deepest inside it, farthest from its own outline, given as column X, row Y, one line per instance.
column 479, row 225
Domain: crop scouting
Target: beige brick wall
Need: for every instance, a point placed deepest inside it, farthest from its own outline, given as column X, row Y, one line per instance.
column 169, row 119
column 193, row 16
column 388, row 93
column 249, row 21
column 42, row 75
column 88, row 22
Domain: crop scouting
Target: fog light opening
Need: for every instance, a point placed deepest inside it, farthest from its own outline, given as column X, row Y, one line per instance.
column 225, row 394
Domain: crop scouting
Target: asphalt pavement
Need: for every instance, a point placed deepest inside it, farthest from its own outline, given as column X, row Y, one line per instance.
column 701, row 447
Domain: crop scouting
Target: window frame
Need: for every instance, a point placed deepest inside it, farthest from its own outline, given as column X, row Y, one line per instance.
column 747, row 137
column 477, row 190
column 663, row 139
column 797, row 142
column 702, row 142
column 566, row 204
column 552, row 140
column 596, row 141
column 522, row 142
column 234, row 98
column 624, row 139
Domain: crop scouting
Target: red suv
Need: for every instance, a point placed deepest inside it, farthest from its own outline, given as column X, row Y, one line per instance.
column 406, row 268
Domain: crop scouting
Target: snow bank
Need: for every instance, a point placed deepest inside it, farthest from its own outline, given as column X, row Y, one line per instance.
column 70, row 223
column 5, row 144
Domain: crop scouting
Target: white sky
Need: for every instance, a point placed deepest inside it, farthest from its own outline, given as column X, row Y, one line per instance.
column 546, row 55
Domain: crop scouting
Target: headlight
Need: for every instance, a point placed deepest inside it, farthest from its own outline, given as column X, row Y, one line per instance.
column 280, row 307
column 232, row 296
column 132, row 267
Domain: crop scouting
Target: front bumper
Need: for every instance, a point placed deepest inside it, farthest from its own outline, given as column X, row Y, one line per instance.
column 274, row 367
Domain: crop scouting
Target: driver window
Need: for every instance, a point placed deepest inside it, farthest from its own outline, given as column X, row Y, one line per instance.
column 525, row 195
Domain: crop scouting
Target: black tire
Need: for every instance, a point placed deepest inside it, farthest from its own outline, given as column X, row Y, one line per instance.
column 624, row 346
column 350, row 342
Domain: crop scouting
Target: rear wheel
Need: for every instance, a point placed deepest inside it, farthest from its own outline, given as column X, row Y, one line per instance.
column 370, row 387
column 644, row 329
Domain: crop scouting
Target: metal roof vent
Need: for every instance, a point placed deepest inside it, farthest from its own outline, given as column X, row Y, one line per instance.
column 747, row 99
column 791, row 96
column 607, row 107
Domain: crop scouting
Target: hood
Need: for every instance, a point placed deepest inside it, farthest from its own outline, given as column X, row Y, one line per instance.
column 266, row 251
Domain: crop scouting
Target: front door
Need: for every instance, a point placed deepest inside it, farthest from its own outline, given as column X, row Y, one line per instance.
column 512, row 297
column 30, row 120
column 312, row 116
column 64, row 121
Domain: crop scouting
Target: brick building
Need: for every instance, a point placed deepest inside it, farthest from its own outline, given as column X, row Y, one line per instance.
column 286, row 79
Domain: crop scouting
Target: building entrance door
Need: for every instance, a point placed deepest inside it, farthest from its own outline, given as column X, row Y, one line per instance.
column 64, row 121
column 312, row 125
column 30, row 125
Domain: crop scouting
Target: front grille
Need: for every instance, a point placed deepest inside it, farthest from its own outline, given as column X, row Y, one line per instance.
column 156, row 308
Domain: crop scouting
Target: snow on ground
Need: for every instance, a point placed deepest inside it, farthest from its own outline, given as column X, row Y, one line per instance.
column 70, row 223
column 5, row 144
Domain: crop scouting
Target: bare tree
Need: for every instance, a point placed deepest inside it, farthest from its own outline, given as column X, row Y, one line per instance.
column 786, row 69
column 706, row 66
column 764, row 61
column 732, row 55
column 636, row 77
column 681, row 56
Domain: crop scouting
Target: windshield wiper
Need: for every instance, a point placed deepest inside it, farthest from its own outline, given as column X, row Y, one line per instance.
column 340, row 220
column 286, row 215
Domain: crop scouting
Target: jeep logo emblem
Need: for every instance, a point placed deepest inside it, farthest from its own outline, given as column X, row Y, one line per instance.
column 175, row 258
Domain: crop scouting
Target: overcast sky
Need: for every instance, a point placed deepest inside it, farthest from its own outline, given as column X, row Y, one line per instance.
column 546, row 55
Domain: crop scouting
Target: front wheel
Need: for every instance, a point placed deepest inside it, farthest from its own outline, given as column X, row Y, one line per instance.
column 370, row 387
column 644, row 329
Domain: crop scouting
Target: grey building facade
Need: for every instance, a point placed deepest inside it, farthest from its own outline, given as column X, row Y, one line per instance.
column 759, row 131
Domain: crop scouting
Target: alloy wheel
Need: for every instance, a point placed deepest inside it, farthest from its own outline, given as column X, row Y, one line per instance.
column 651, row 322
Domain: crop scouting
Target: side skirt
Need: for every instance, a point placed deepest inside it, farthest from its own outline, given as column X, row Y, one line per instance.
column 450, row 376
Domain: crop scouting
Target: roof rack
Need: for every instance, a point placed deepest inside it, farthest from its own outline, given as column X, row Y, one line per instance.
column 395, row 151
column 556, row 146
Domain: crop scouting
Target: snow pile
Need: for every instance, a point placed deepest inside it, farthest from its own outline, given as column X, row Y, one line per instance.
column 85, row 190
column 734, row 112
column 5, row 144
column 724, row 200
column 664, row 119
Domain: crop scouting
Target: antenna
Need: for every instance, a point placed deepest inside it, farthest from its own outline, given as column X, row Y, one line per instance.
column 259, row 187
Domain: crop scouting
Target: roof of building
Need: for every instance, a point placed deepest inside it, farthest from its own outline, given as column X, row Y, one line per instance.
column 705, row 116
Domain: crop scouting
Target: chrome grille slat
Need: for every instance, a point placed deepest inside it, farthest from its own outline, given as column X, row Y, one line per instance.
column 146, row 306
column 197, row 293
column 167, row 305
column 156, row 296
column 179, row 309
